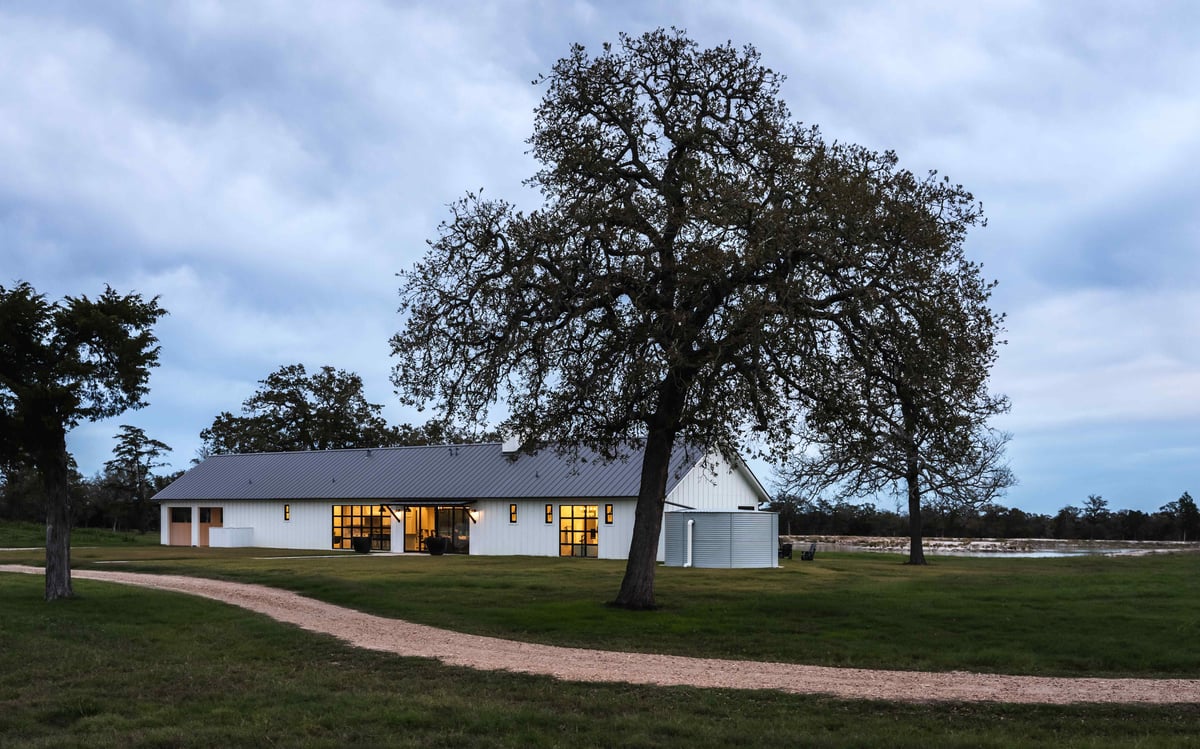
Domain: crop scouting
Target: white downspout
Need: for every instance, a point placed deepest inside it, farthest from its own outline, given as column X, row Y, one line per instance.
column 690, row 533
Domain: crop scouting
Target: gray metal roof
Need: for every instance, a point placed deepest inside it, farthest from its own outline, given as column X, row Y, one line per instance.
column 418, row 473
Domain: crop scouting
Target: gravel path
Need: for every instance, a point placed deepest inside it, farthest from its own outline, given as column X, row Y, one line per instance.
column 575, row 664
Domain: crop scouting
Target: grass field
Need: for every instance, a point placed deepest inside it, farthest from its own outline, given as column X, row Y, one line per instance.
column 24, row 535
column 1100, row 616
column 120, row 666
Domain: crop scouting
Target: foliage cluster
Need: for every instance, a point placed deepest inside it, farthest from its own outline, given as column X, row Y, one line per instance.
column 62, row 363
column 293, row 410
column 706, row 269
column 117, row 497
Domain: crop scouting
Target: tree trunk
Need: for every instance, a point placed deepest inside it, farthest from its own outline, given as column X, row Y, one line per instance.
column 637, row 587
column 916, row 545
column 52, row 463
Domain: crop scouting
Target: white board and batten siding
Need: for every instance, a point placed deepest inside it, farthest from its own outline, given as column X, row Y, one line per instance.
column 310, row 525
column 531, row 535
column 713, row 484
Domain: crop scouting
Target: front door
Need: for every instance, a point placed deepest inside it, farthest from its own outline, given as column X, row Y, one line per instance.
column 578, row 531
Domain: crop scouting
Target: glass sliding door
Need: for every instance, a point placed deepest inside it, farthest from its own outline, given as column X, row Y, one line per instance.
column 450, row 523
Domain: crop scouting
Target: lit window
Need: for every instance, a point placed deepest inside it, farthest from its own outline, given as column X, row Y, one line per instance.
column 549, row 513
column 287, row 512
column 608, row 514
column 512, row 513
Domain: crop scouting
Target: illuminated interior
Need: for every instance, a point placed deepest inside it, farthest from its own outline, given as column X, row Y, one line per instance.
column 358, row 521
column 451, row 523
column 578, row 531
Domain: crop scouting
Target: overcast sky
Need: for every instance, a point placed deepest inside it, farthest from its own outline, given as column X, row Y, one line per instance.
column 267, row 167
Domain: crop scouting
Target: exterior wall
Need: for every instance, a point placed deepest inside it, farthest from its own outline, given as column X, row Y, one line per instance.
column 531, row 535
column 310, row 527
column 713, row 484
column 231, row 538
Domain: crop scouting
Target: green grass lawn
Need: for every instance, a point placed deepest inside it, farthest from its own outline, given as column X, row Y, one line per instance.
column 25, row 535
column 125, row 667
column 1098, row 616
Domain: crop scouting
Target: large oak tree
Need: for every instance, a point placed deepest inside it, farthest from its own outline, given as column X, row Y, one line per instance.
column 62, row 363
column 694, row 248
column 293, row 410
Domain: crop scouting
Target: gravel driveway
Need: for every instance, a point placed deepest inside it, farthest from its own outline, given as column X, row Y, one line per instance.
column 575, row 664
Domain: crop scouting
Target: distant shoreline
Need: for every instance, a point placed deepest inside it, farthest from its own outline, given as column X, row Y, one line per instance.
column 991, row 546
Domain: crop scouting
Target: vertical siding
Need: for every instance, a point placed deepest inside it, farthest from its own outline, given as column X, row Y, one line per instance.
column 713, row 484
column 310, row 527
column 164, row 525
column 755, row 539
column 674, row 548
column 531, row 535
column 615, row 538
column 723, row 539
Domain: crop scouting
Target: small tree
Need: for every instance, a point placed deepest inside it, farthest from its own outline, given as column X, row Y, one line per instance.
column 60, row 364
column 131, row 471
column 696, row 247
column 1185, row 515
column 1095, row 512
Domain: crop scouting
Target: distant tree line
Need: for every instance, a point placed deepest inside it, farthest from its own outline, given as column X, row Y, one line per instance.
column 1174, row 521
column 291, row 410
column 117, row 497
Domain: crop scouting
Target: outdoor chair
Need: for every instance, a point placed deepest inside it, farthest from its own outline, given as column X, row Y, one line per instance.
column 807, row 556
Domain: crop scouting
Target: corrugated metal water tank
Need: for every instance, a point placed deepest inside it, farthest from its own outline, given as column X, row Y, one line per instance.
column 722, row 539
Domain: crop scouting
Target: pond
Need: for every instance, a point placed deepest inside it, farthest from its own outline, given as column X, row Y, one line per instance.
column 994, row 547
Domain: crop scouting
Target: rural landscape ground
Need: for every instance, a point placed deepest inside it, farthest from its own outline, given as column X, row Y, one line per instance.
column 1115, row 638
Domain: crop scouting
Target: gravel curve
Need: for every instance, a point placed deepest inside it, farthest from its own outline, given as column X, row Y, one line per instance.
column 577, row 664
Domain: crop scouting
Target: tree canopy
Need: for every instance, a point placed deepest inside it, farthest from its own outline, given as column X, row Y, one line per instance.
column 903, row 401
column 695, row 248
column 62, row 363
column 293, row 410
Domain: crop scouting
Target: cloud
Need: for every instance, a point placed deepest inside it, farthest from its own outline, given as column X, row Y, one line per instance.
column 267, row 168
column 1099, row 356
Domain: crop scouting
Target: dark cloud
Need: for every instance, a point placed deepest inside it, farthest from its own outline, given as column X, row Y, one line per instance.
column 267, row 168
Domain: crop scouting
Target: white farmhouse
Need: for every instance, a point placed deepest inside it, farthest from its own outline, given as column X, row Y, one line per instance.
column 476, row 499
